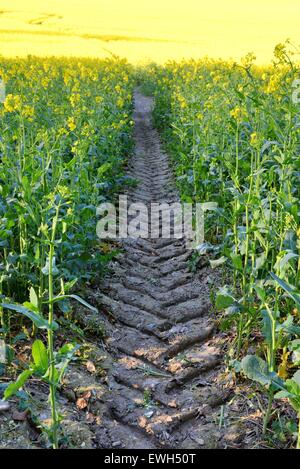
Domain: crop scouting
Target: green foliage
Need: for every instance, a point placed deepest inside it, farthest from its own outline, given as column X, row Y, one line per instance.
column 37, row 320
column 12, row 388
column 40, row 357
column 256, row 369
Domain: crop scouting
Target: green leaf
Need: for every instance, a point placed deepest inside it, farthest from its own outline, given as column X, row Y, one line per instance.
column 261, row 293
column 40, row 356
column 294, row 346
column 39, row 321
column 260, row 261
column 55, row 376
column 289, row 326
column 216, row 262
column 267, row 327
column 256, row 369
column 64, row 356
column 104, row 168
column 12, row 388
column 69, row 285
column 67, row 350
column 224, row 299
column 281, row 263
column 31, row 307
column 237, row 261
column 46, row 268
column 77, row 298
column 292, row 392
column 282, row 394
column 296, row 377
column 33, row 297
column 288, row 289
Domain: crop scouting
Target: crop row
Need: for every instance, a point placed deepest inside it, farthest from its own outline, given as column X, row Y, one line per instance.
column 65, row 133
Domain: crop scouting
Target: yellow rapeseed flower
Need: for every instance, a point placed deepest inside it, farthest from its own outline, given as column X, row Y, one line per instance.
column 120, row 102
column 71, row 124
column 253, row 139
column 182, row 102
column 28, row 112
column 12, row 103
column 74, row 99
column 237, row 113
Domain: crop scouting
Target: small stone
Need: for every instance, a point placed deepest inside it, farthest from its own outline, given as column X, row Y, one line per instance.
column 20, row 416
column 116, row 443
column 4, row 405
column 197, row 439
column 90, row 366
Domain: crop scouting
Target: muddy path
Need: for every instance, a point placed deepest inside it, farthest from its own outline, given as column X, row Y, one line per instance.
column 164, row 386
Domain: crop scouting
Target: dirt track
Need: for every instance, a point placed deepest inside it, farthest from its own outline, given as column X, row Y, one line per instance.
column 163, row 386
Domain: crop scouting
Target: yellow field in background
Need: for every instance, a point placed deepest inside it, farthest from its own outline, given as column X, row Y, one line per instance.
column 143, row 30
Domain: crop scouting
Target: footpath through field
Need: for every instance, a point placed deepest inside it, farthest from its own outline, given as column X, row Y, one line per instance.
column 164, row 383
